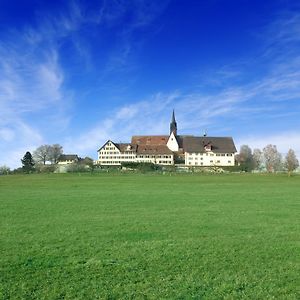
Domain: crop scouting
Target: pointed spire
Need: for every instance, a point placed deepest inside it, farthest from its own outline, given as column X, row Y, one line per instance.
column 173, row 124
column 173, row 117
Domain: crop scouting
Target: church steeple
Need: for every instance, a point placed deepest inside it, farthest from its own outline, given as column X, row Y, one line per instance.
column 173, row 124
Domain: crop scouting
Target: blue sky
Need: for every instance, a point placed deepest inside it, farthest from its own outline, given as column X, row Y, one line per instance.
column 80, row 72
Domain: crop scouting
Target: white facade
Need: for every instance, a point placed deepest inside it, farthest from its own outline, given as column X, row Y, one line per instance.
column 172, row 143
column 158, row 159
column 161, row 149
column 67, row 159
column 109, row 155
column 209, row 159
column 66, row 162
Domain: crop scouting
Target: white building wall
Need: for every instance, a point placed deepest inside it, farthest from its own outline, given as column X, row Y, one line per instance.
column 172, row 143
column 209, row 159
column 167, row 159
column 66, row 162
column 110, row 155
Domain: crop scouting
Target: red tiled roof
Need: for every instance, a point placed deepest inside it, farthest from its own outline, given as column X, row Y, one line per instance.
column 150, row 140
column 126, row 147
column 153, row 149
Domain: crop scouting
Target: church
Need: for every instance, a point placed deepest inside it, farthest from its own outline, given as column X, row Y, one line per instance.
column 169, row 150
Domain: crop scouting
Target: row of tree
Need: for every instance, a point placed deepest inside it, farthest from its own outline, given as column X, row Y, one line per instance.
column 268, row 158
column 41, row 155
column 47, row 153
column 37, row 161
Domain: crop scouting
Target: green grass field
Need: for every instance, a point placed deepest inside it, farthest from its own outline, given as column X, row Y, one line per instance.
column 122, row 236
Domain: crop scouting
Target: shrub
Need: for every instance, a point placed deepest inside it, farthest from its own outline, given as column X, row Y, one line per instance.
column 4, row 170
column 143, row 167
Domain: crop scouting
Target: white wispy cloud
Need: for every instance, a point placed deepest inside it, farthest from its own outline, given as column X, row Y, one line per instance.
column 32, row 84
column 32, row 92
column 261, row 98
column 147, row 117
column 283, row 140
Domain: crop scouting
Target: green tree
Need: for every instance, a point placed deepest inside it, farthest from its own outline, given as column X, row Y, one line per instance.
column 27, row 162
column 245, row 158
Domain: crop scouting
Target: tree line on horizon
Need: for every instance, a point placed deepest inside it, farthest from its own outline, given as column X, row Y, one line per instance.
column 43, row 159
column 268, row 159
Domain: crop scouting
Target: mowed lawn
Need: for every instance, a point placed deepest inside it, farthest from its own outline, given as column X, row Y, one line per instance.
column 123, row 236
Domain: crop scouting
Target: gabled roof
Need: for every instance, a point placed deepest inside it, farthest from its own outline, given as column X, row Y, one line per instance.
column 150, row 139
column 124, row 147
column 153, row 149
column 193, row 144
column 180, row 138
column 106, row 143
column 65, row 157
column 121, row 146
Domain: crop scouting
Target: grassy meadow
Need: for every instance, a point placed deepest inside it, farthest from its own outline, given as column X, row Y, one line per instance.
column 143, row 236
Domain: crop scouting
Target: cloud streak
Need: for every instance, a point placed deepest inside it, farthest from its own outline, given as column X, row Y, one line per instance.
column 34, row 89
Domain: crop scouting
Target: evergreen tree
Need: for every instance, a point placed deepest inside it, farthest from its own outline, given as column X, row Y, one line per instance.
column 27, row 162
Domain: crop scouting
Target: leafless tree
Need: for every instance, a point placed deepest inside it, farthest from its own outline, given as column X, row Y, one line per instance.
column 49, row 153
column 272, row 158
column 257, row 158
column 291, row 161
column 42, row 154
column 55, row 152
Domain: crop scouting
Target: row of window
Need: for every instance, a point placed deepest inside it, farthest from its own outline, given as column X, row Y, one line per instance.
column 133, row 156
column 155, row 156
column 210, row 154
column 109, row 148
column 195, row 158
column 110, row 152
column 116, row 157
column 211, row 162
column 116, row 162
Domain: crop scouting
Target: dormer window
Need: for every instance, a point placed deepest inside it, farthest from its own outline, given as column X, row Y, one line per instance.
column 207, row 147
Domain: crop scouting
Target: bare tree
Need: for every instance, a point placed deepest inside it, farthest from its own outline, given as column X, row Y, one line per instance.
column 42, row 154
column 55, row 152
column 272, row 158
column 291, row 161
column 49, row 153
column 257, row 158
